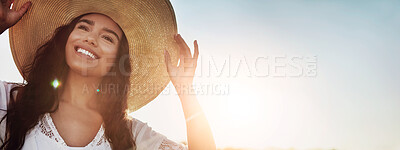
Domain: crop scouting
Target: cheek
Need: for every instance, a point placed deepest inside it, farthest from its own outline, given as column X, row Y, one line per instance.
column 73, row 36
column 108, row 49
column 69, row 50
column 109, row 52
column 69, row 46
column 108, row 58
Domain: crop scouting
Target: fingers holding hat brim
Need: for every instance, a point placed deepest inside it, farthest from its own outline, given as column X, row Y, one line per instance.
column 24, row 8
column 184, row 48
column 167, row 59
column 15, row 16
column 196, row 53
column 185, row 55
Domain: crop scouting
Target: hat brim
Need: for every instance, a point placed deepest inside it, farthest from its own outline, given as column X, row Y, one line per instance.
column 149, row 26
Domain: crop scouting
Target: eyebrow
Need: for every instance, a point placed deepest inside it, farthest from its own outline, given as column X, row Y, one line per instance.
column 90, row 22
column 111, row 31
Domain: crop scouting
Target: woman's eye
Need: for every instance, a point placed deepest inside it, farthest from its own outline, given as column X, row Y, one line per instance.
column 108, row 39
column 83, row 27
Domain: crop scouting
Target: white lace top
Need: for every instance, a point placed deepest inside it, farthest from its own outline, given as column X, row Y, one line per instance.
column 44, row 136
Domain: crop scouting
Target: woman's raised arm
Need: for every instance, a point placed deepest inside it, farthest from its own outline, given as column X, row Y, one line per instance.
column 9, row 17
column 199, row 133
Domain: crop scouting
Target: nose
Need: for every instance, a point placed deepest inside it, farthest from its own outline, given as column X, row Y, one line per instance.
column 91, row 40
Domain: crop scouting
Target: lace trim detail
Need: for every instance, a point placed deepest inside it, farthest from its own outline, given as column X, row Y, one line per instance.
column 48, row 128
column 167, row 144
column 46, row 125
column 100, row 139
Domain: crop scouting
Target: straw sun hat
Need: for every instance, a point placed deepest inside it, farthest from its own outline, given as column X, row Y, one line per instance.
column 149, row 26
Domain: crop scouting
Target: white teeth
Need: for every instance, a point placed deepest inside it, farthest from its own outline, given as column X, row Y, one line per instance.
column 87, row 53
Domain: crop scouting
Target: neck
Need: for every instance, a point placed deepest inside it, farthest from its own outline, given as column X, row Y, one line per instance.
column 80, row 90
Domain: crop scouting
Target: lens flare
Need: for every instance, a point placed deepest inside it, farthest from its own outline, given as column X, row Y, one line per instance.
column 55, row 83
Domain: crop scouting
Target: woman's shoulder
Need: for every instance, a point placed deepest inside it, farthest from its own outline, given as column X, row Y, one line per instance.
column 146, row 138
column 6, row 86
column 141, row 129
column 5, row 89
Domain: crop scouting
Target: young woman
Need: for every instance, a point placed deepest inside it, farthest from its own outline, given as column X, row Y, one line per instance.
column 84, row 58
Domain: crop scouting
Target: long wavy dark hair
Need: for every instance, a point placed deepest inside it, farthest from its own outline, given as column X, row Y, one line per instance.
column 37, row 96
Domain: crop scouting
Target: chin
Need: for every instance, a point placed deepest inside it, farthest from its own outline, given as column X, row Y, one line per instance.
column 86, row 69
column 79, row 69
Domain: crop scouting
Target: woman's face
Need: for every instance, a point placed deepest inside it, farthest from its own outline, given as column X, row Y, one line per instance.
column 93, row 44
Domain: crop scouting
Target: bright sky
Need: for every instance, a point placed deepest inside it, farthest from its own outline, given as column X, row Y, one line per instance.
column 260, row 58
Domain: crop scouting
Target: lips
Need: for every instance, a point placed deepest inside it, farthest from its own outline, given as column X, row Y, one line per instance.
column 85, row 51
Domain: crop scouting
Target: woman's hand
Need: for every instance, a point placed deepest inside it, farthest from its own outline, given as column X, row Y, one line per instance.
column 182, row 75
column 10, row 17
column 199, row 133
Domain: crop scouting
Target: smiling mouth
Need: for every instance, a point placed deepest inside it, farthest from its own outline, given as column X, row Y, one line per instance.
column 86, row 53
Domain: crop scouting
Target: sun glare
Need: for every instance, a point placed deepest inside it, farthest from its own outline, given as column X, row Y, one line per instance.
column 240, row 108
